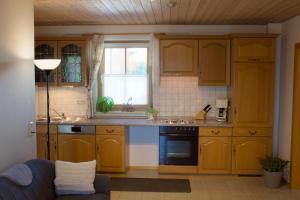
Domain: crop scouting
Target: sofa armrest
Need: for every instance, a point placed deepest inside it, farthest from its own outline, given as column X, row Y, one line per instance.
column 102, row 184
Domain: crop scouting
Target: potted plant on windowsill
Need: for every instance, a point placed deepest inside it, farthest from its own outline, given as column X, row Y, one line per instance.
column 104, row 104
column 273, row 170
column 151, row 113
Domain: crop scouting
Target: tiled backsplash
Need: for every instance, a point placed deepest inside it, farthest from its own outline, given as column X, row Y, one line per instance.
column 71, row 101
column 181, row 96
column 174, row 96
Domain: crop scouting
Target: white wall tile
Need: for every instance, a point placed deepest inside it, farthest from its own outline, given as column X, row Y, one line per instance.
column 181, row 96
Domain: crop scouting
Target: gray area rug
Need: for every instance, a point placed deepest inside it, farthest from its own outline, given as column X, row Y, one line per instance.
column 151, row 185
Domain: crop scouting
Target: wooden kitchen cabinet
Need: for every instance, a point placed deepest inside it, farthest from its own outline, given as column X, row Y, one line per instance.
column 72, row 52
column 110, row 153
column 256, row 49
column 247, row 153
column 253, row 94
column 111, row 148
column 72, row 69
column 179, row 57
column 45, row 50
column 214, row 155
column 76, row 148
column 214, row 62
column 41, row 142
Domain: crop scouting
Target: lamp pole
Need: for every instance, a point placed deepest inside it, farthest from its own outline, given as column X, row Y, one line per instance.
column 48, row 115
column 47, row 65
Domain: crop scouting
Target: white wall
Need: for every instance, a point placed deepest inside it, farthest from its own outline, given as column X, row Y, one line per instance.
column 16, row 81
column 291, row 36
column 144, row 146
column 180, row 29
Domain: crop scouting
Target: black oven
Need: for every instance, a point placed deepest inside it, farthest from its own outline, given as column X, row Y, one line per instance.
column 178, row 145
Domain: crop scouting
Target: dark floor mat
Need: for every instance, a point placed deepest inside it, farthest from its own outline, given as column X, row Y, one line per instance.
column 151, row 185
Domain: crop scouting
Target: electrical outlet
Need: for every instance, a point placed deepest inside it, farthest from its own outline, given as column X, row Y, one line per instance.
column 80, row 102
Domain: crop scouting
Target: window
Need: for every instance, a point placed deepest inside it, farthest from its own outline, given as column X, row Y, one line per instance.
column 126, row 76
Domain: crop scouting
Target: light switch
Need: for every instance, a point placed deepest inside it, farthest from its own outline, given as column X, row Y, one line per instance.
column 31, row 129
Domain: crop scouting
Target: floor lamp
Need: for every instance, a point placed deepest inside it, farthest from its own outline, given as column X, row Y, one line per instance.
column 47, row 65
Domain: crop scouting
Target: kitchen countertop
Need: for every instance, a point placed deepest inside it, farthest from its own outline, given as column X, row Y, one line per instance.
column 138, row 122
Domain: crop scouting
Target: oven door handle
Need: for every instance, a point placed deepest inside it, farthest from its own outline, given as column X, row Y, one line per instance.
column 173, row 135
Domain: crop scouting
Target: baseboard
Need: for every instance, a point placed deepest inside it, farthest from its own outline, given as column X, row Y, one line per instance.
column 143, row 168
column 176, row 169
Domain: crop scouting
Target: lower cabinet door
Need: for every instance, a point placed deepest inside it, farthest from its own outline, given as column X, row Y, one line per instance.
column 41, row 146
column 110, row 153
column 76, row 148
column 247, row 153
column 41, row 142
column 215, row 155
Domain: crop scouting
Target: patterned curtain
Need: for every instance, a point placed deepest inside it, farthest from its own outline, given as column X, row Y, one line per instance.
column 95, row 49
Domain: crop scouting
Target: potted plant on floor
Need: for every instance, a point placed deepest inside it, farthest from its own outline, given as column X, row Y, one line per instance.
column 273, row 170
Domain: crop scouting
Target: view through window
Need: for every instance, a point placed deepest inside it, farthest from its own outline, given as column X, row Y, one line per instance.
column 125, row 75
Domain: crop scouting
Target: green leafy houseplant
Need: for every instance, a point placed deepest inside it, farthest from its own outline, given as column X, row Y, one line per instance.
column 104, row 104
column 273, row 170
column 273, row 164
column 151, row 113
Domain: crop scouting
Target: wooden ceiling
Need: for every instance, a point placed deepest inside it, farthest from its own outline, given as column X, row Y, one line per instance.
column 116, row 12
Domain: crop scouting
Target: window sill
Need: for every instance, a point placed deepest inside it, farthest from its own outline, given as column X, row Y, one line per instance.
column 120, row 114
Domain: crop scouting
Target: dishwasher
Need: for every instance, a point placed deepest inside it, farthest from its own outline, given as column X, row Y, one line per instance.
column 76, row 143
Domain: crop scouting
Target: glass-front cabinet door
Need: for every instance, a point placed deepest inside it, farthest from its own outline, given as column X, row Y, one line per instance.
column 45, row 50
column 72, row 68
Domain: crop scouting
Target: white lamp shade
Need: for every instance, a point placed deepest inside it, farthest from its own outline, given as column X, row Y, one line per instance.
column 47, row 64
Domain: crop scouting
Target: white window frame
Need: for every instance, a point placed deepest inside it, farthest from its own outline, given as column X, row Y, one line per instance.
column 140, row 109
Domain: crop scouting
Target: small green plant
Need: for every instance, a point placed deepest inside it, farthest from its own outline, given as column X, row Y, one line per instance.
column 152, row 112
column 104, row 104
column 273, row 164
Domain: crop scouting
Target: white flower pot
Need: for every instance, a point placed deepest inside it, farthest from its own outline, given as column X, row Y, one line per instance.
column 272, row 179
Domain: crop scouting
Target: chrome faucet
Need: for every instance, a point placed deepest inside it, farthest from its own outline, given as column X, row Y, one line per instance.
column 62, row 115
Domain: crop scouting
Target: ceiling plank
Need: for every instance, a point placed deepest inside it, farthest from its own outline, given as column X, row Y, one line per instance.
column 114, row 12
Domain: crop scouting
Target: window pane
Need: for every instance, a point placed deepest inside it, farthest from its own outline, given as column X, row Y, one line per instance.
column 114, row 87
column 136, row 61
column 136, row 88
column 121, row 88
column 114, row 60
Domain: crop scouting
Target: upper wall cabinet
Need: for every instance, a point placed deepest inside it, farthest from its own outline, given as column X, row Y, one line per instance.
column 45, row 50
column 72, row 66
column 214, row 62
column 179, row 57
column 72, row 69
column 254, row 50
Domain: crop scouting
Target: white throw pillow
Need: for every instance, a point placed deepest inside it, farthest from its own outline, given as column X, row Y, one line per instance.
column 75, row 178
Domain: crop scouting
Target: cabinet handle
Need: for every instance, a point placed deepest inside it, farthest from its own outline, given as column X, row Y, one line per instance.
column 234, row 150
column 252, row 132
column 98, row 148
column 200, row 149
column 109, row 130
column 255, row 59
column 215, row 132
column 55, row 146
column 235, row 111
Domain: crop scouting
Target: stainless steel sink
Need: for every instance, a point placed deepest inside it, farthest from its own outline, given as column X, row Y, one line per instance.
column 59, row 119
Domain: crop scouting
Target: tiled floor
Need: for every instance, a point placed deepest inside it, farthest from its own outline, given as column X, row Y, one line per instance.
column 210, row 187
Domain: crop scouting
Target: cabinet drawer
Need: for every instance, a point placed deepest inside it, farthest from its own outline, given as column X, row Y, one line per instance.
column 252, row 132
column 215, row 132
column 114, row 130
